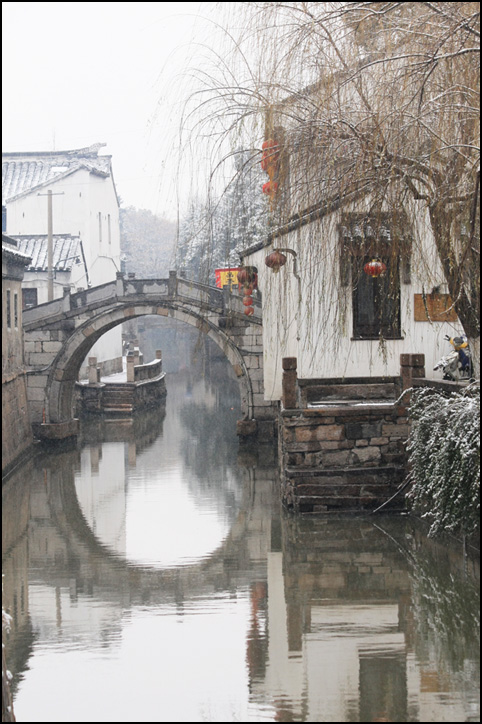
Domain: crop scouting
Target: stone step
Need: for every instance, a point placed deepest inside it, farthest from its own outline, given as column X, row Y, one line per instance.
column 118, row 409
column 350, row 393
column 313, row 504
column 346, row 490
column 121, row 396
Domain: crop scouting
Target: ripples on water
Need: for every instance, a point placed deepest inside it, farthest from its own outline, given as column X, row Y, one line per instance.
column 152, row 576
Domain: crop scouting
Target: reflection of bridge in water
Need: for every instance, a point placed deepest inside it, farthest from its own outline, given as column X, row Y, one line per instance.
column 347, row 604
column 99, row 570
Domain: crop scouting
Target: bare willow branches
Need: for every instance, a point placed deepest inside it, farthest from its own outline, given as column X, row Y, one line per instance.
column 368, row 97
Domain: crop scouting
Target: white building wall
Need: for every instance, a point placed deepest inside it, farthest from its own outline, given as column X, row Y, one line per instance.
column 77, row 202
column 318, row 329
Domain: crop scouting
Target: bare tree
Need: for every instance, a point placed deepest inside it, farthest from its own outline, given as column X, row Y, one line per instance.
column 374, row 99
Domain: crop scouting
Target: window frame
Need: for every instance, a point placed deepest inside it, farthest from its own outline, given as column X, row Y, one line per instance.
column 385, row 300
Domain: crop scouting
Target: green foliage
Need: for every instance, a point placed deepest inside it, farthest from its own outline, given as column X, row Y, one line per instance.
column 444, row 448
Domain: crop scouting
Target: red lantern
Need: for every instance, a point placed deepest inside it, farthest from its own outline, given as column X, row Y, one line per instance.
column 249, row 311
column 275, row 260
column 246, row 275
column 375, row 268
column 248, row 301
column 270, row 188
column 271, row 147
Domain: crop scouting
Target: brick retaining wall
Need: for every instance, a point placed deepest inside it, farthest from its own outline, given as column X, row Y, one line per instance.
column 342, row 442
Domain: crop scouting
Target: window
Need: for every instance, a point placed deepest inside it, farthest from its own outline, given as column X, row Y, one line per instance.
column 100, row 226
column 109, row 232
column 9, row 310
column 29, row 298
column 15, row 310
column 376, row 301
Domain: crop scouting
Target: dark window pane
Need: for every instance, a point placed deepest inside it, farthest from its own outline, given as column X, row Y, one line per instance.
column 376, row 302
column 29, row 298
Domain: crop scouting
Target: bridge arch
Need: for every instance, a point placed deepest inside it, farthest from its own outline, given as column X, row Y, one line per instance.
column 59, row 334
column 65, row 368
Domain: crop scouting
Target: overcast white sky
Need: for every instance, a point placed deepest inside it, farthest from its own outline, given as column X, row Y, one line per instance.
column 77, row 73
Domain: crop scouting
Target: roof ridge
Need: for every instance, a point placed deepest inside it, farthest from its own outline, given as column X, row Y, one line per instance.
column 85, row 151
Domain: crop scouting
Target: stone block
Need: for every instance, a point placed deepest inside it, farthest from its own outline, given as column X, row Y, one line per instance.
column 38, row 358
column 336, row 459
column 365, row 430
column 51, row 347
column 303, row 447
column 289, row 363
column 38, row 336
column 245, row 428
column 37, row 381
column 36, row 393
column 367, row 454
column 336, row 445
column 256, row 375
column 266, row 430
column 393, row 430
column 251, row 361
column 266, row 412
column 320, row 432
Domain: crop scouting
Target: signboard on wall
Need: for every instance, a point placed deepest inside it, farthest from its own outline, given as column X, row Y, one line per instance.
column 436, row 307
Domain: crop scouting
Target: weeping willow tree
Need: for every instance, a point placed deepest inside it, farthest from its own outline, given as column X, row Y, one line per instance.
column 365, row 100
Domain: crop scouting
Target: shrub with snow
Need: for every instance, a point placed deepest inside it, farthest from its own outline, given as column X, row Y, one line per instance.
column 444, row 448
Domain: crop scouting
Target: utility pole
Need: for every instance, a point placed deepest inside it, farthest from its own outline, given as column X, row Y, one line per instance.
column 50, row 244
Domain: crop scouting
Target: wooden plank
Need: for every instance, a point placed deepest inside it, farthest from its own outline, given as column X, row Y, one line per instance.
column 438, row 306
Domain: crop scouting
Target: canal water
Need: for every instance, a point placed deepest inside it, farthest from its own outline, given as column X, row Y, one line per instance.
column 151, row 576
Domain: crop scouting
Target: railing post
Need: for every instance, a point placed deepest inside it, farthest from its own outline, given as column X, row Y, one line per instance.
column 66, row 299
column 130, row 362
column 94, row 371
column 172, row 284
column 412, row 366
column 119, row 277
column 289, row 383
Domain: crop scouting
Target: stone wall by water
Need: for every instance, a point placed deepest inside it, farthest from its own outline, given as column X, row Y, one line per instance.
column 17, row 438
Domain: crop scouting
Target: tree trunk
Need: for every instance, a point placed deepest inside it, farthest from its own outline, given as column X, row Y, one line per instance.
column 474, row 346
column 463, row 279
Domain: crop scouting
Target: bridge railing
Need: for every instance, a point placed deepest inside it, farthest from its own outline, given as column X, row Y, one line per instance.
column 213, row 299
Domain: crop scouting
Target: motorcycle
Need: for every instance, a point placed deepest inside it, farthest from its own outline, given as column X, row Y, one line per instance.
column 458, row 364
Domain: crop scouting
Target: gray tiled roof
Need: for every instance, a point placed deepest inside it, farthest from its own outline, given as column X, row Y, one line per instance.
column 23, row 172
column 11, row 250
column 67, row 250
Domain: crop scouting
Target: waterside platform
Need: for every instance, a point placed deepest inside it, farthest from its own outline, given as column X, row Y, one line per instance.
column 139, row 386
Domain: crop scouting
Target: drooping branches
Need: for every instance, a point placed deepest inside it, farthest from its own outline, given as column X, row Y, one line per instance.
column 368, row 97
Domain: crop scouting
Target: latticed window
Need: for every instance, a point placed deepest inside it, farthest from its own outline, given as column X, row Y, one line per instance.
column 376, row 299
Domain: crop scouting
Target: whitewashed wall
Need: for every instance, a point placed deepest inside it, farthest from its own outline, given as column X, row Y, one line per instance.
column 318, row 329
column 77, row 202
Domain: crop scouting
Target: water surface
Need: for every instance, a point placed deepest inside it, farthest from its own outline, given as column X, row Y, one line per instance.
column 152, row 576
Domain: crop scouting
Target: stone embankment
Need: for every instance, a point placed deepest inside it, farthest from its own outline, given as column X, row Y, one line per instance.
column 141, row 386
column 342, row 441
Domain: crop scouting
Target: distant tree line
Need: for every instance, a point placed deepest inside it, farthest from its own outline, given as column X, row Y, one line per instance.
column 147, row 242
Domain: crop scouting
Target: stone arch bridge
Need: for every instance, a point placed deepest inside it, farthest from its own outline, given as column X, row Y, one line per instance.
column 59, row 334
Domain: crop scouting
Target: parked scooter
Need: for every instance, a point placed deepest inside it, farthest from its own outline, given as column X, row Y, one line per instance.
column 458, row 364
